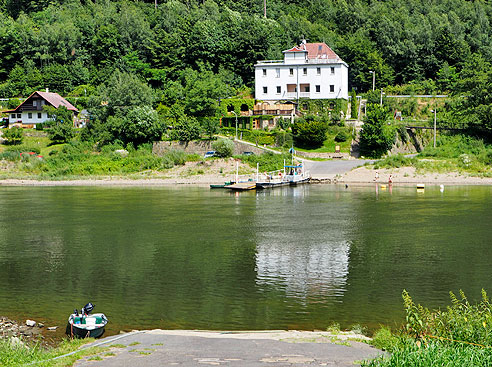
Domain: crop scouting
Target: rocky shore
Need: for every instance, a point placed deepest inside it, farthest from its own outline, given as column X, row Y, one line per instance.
column 28, row 332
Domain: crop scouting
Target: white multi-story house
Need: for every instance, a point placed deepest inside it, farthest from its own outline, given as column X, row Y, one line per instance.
column 310, row 70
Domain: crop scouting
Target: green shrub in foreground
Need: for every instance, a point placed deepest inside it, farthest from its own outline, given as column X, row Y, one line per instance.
column 461, row 335
column 13, row 136
column 433, row 354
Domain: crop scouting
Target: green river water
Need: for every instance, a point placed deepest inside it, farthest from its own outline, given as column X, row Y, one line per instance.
column 195, row 258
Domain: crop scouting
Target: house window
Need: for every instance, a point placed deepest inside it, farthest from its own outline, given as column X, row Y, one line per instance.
column 304, row 71
column 19, row 115
column 279, row 89
column 318, row 71
column 264, row 72
column 332, row 88
column 318, row 88
column 29, row 115
column 265, row 90
column 291, row 71
column 332, row 70
column 13, row 115
column 40, row 115
column 277, row 72
column 306, row 89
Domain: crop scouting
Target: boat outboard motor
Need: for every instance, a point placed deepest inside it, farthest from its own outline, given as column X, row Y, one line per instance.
column 87, row 309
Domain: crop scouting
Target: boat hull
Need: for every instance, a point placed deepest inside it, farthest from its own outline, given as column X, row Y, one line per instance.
column 91, row 326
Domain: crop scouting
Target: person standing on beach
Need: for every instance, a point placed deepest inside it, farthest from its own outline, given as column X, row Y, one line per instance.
column 376, row 176
column 390, row 179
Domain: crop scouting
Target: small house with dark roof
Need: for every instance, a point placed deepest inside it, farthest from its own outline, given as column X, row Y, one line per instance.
column 30, row 112
column 310, row 70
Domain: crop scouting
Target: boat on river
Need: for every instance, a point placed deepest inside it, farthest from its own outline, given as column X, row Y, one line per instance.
column 85, row 324
column 222, row 186
column 292, row 175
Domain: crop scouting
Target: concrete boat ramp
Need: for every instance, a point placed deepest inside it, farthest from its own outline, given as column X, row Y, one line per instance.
column 210, row 348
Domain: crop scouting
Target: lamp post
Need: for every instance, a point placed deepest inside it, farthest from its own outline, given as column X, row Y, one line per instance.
column 373, row 79
column 435, row 120
column 235, row 114
column 381, row 99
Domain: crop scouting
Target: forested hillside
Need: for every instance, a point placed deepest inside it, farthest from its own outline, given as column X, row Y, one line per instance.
column 193, row 52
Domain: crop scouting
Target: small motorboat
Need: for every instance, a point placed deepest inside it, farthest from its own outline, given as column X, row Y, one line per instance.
column 85, row 324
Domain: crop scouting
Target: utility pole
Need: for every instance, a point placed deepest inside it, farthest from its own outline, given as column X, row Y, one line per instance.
column 264, row 8
column 435, row 120
column 373, row 79
column 156, row 4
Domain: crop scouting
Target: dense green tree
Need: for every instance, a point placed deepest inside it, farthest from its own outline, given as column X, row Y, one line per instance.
column 59, row 125
column 353, row 104
column 309, row 131
column 186, row 128
column 377, row 136
column 141, row 125
column 472, row 104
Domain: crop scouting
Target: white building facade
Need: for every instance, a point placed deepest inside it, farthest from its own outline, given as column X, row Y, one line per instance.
column 310, row 70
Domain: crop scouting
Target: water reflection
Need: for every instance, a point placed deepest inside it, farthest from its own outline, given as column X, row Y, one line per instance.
column 298, row 249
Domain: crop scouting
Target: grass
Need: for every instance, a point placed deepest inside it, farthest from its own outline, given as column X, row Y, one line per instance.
column 329, row 144
column 17, row 354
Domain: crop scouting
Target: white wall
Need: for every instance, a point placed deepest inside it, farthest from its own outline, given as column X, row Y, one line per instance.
column 273, row 79
column 25, row 118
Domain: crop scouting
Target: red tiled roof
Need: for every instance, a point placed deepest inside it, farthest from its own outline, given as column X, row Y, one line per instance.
column 56, row 100
column 315, row 51
column 320, row 51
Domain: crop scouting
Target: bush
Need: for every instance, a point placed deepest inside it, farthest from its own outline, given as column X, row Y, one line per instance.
column 309, row 131
column 223, row 148
column 341, row 137
column 14, row 135
column 39, row 127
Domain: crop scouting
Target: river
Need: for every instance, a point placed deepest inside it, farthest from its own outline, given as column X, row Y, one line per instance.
column 195, row 258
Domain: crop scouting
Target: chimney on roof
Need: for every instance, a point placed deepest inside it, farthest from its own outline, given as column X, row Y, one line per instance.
column 47, row 90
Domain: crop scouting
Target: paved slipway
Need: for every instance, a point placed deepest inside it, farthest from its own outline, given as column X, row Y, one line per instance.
column 332, row 168
column 208, row 348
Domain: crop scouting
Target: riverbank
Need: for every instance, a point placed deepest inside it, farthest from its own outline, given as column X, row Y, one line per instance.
column 218, row 171
column 409, row 175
